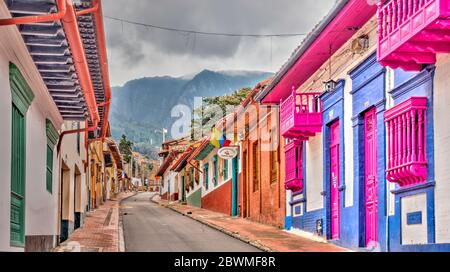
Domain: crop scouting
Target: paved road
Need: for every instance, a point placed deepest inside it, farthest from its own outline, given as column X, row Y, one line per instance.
column 151, row 228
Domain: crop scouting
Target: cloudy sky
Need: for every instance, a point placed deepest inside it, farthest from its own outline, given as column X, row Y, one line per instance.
column 138, row 51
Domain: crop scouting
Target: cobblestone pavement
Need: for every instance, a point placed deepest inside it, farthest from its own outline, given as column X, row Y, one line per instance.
column 100, row 232
column 263, row 236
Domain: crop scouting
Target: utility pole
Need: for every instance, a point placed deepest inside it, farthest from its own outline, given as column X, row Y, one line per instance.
column 163, row 131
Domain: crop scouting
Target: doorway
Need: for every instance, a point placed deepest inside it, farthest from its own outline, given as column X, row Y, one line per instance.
column 370, row 178
column 234, row 187
column 335, row 180
column 77, row 198
column 65, row 202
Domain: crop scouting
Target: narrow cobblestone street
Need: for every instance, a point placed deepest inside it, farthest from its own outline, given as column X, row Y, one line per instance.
column 100, row 233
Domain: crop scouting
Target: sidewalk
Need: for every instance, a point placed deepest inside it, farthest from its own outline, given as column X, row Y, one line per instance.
column 100, row 232
column 267, row 238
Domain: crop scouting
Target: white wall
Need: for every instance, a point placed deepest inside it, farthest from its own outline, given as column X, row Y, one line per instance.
column 442, row 148
column 417, row 233
column 221, row 181
column 314, row 173
column 41, row 205
column 5, row 154
column 348, row 143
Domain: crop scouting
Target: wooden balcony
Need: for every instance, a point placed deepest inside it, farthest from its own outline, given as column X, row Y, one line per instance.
column 412, row 32
column 406, row 130
column 301, row 115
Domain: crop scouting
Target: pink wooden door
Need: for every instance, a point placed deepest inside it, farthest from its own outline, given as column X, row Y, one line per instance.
column 334, row 179
column 370, row 177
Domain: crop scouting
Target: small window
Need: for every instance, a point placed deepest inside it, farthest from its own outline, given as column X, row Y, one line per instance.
column 78, row 139
column 52, row 138
column 273, row 166
column 255, row 171
column 49, row 176
column 225, row 169
column 206, row 176
column 215, row 170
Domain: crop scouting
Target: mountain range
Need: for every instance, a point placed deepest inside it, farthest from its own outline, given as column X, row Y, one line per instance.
column 143, row 106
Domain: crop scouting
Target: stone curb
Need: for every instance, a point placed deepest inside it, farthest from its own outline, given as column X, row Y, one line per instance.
column 121, row 236
column 219, row 228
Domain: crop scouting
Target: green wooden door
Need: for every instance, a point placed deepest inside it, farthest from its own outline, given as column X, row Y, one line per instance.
column 21, row 96
column 17, row 222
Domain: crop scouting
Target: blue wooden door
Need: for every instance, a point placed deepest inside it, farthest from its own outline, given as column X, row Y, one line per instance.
column 234, row 188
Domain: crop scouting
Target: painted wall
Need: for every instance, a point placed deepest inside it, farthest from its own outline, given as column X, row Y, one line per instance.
column 195, row 198
column 314, row 173
column 308, row 207
column 265, row 204
column 76, row 192
column 219, row 199
column 40, row 206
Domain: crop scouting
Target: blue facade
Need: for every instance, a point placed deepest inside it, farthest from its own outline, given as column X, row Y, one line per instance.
column 333, row 111
column 318, row 221
column 368, row 92
column 406, row 86
column 308, row 220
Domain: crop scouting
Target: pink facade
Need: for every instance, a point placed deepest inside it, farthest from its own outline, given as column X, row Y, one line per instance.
column 406, row 131
column 352, row 17
column 411, row 32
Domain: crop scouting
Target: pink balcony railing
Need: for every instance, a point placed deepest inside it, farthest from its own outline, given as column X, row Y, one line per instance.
column 411, row 32
column 301, row 115
column 406, row 130
column 293, row 164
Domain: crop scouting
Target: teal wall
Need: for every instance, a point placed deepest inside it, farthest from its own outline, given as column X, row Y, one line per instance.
column 195, row 199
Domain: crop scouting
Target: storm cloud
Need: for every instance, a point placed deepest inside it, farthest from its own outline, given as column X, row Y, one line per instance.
column 137, row 51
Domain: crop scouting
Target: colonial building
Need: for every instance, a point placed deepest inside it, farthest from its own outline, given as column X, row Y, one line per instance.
column 366, row 151
column 170, row 179
column 55, row 94
column 261, row 181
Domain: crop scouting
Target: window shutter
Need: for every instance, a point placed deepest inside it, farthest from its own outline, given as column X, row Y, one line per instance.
column 52, row 139
column 225, row 169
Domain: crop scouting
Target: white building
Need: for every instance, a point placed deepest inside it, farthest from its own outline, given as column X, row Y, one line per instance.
column 43, row 94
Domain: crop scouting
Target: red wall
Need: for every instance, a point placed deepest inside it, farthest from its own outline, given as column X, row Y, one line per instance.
column 219, row 200
column 174, row 197
column 164, row 196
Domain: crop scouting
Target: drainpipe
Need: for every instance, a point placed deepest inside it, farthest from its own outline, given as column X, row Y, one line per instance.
column 81, row 130
column 76, row 45
column 62, row 9
column 79, row 57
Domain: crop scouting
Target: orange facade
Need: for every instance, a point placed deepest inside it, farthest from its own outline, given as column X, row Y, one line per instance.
column 262, row 194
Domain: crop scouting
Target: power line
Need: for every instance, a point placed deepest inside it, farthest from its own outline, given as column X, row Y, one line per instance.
column 203, row 32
